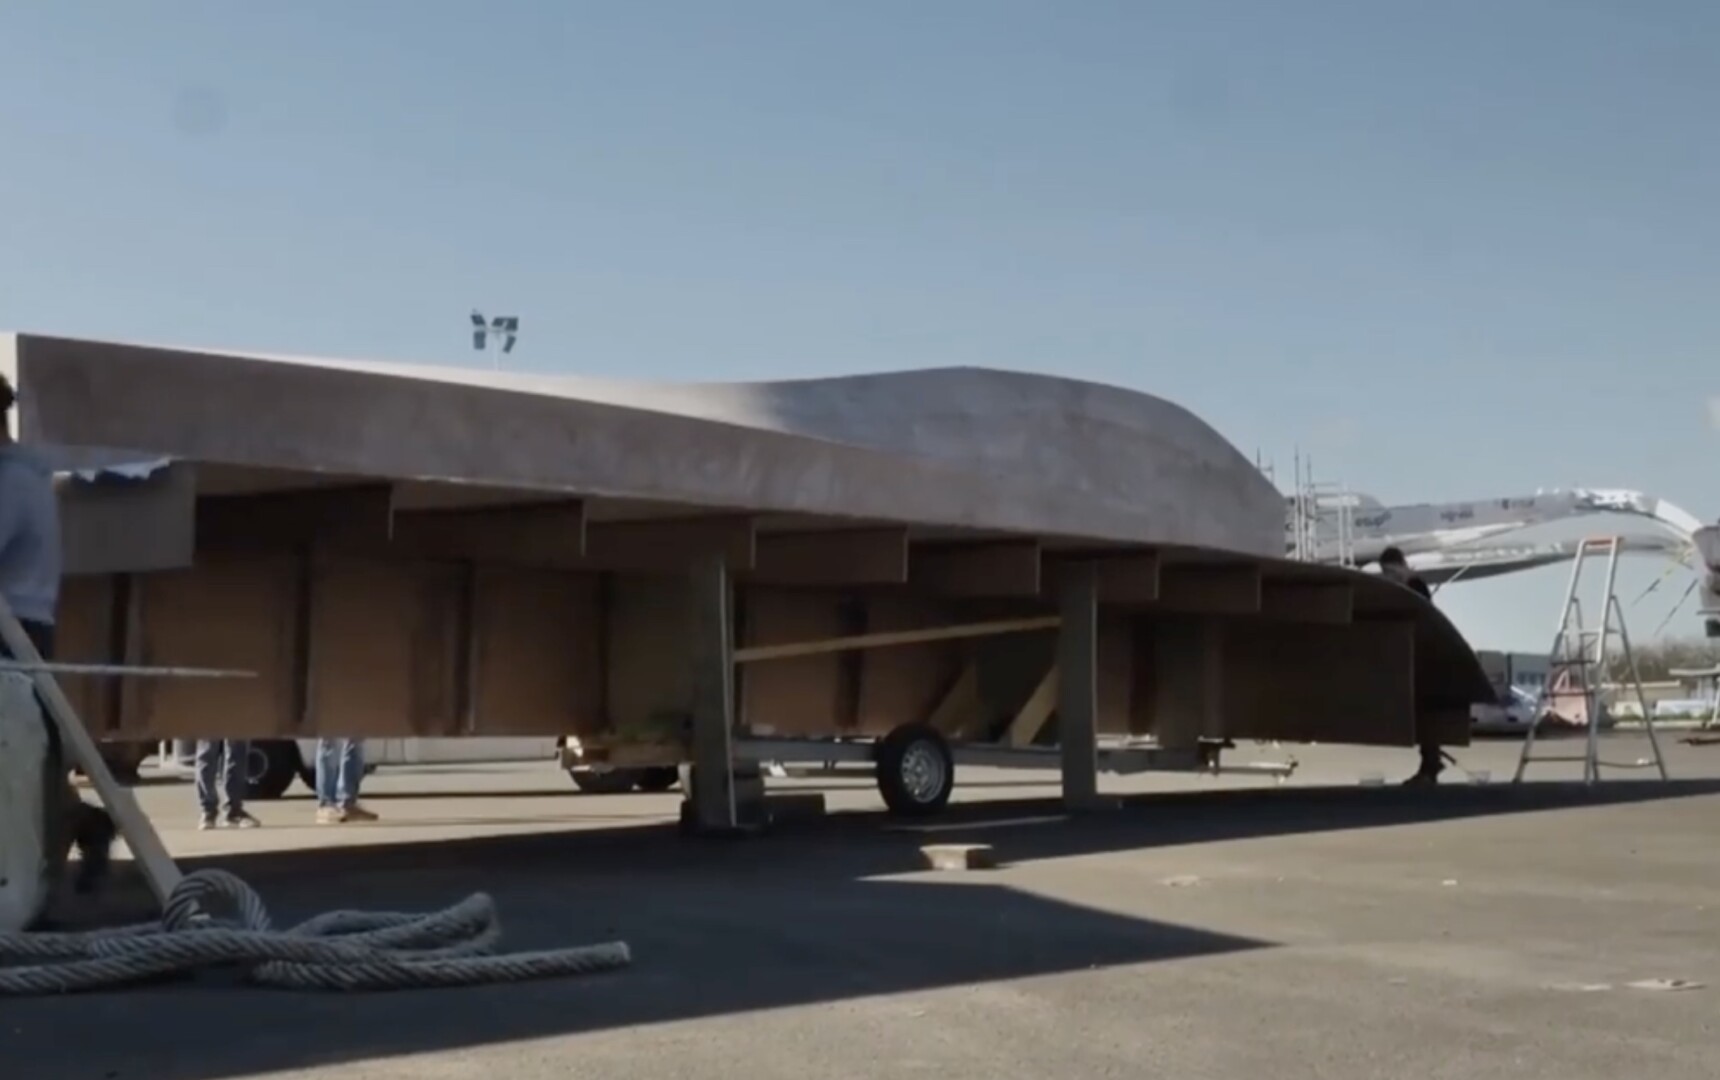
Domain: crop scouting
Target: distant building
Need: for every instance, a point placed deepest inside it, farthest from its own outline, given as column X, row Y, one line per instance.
column 1525, row 671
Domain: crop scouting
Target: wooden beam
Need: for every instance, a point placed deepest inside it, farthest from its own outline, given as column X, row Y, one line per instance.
column 118, row 524
column 1121, row 579
column 1308, row 601
column 961, row 703
column 543, row 535
column 992, row 569
column 1031, row 718
column 884, row 639
column 358, row 513
column 664, row 545
column 832, row 557
column 1207, row 589
column 1188, row 679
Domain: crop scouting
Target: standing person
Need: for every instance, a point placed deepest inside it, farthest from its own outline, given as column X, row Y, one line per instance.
column 221, row 773
column 30, row 567
column 340, row 769
column 1395, row 567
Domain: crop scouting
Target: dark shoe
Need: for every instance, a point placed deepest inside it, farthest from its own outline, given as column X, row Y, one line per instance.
column 239, row 819
column 94, row 836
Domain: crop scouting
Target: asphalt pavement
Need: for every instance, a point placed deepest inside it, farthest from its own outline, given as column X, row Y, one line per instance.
column 1225, row 928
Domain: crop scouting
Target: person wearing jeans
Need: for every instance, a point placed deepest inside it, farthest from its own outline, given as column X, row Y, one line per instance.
column 340, row 768
column 221, row 775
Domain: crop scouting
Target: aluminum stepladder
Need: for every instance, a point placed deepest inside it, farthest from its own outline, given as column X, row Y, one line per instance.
column 1583, row 654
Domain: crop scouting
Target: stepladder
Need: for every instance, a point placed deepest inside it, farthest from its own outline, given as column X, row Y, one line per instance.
column 1589, row 667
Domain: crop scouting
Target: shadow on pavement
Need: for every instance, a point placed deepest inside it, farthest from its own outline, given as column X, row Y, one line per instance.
column 794, row 918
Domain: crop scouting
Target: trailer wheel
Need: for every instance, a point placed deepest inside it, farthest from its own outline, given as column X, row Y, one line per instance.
column 604, row 781
column 271, row 767
column 916, row 773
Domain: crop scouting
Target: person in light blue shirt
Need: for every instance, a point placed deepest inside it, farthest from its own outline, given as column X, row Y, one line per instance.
column 30, row 568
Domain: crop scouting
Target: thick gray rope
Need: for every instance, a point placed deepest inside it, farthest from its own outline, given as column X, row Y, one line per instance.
column 341, row 950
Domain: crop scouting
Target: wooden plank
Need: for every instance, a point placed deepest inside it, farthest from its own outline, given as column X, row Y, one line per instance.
column 386, row 649
column 833, row 557
column 360, row 514
column 1206, row 589
column 899, row 685
column 648, row 664
column 537, row 667
column 1308, row 601
column 1188, row 684
column 234, row 611
column 119, row 524
column 1007, row 569
column 1310, row 682
column 671, row 546
column 956, row 712
column 159, row 870
column 885, row 639
column 1034, row 713
column 84, row 631
column 1130, row 578
column 798, row 696
column 543, row 535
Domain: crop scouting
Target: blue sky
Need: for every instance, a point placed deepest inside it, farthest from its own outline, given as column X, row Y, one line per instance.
column 1451, row 250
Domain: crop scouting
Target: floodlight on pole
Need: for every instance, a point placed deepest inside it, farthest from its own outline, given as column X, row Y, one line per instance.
column 502, row 331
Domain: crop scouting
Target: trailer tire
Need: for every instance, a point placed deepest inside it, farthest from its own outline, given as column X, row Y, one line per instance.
column 916, row 772
column 271, row 766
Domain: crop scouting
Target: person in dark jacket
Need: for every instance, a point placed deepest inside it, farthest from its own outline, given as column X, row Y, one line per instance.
column 1395, row 567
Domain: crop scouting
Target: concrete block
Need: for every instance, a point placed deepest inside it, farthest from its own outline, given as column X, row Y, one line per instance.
column 959, row 856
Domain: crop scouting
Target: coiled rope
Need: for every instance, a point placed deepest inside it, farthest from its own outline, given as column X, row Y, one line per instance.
column 340, row 950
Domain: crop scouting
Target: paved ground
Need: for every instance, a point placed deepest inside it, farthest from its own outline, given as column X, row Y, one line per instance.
column 1308, row 931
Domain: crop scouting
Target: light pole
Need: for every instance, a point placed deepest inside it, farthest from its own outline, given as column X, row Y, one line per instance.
column 505, row 330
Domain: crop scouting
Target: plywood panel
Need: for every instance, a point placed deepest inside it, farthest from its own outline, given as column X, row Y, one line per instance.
column 1342, row 684
column 649, row 656
column 537, row 658
column 1116, row 672
column 903, row 684
column 83, row 634
column 385, row 649
column 231, row 611
column 116, row 523
column 798, row 695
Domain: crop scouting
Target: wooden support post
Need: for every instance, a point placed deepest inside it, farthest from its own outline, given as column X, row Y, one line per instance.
column 1078, row 686
column 712, row 794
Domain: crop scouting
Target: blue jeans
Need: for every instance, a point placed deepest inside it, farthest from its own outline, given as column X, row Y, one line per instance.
column 221, row 774
column 340, row 767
